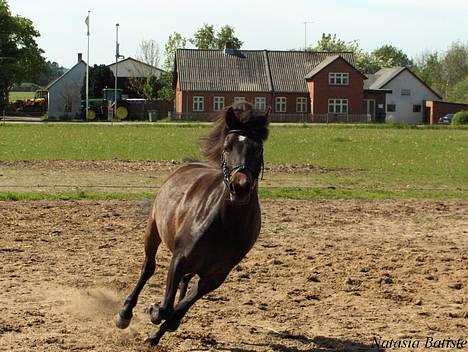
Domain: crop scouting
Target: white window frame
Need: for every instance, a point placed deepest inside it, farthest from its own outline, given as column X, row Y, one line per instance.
column 281, row 104
column 338, row 106
column 301, row 104
column 198, row 103
column 338, row 78
column 260, row 103
column 239, row 99
column 218, row 103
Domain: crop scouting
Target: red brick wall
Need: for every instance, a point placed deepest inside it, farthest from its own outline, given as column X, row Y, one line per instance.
column 321, row 90
column 184, row 100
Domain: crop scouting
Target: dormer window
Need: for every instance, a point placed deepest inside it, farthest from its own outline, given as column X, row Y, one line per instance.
column 338, row 78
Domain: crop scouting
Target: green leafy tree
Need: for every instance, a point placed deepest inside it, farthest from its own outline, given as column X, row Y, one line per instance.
column 390, row 56
column 166, row 93
column 20, row 57
column 225, row 38
column 206, row 38
column 364, row 62
column 174, row 42
column 455, row 63
column 151, row 88
column 100, row 77
column 51, row 72
column 459, row 93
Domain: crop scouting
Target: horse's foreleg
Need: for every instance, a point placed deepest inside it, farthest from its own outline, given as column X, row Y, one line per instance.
column 152, row 241
column 174, row 275
column 201, row 288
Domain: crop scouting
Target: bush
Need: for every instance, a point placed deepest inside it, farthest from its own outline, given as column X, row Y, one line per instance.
column 460, row 118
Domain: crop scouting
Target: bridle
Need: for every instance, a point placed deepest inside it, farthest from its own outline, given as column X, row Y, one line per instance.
column 228, row 173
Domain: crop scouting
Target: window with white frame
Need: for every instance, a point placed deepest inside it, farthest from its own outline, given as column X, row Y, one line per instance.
column 338, row 78
column 338, row 106
column 218, row 103
column 281, row 104
column 198, row 103
column 260, row 103
column 239, row 99
column 301, row 104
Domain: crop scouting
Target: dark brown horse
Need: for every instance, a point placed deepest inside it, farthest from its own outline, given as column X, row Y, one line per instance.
column 207, row 214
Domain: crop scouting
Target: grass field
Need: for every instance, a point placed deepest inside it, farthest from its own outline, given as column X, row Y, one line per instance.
column 20, row 96
column 376, row 162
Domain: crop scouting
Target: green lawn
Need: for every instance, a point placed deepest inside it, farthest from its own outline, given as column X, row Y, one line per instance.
column 20, row 96
column 378, row 162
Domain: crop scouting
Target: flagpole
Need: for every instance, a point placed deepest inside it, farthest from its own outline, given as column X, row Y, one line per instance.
column 87, row 72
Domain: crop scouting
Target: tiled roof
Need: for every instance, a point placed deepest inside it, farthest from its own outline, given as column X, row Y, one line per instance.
column 248, row 70
column 382, row 77
column 289, row 68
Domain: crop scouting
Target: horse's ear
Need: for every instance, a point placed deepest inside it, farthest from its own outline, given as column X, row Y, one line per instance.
column 231, row 118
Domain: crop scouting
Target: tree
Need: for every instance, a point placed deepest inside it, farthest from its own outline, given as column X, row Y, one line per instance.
column 205, row 38
column 20, row 57
column 225, row 39
column 174, row 42
column 444, row 71
column 390, row 56
column 100, row 77
column 149, row 52
column 52, row 71
column 364, row 62
column 459, row 93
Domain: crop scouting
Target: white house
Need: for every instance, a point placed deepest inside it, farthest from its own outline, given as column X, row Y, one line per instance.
column 131, row 68
column 64, row 94
column 406, row 102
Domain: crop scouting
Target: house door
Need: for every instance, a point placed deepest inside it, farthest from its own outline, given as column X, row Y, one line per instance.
column 369, row 108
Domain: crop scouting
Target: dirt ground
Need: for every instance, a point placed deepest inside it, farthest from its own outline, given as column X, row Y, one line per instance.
column 324, row 276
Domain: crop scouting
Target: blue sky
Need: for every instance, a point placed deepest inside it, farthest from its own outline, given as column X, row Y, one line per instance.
column 412, row 25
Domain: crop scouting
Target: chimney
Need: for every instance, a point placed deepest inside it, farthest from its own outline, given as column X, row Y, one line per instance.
column 80, row 57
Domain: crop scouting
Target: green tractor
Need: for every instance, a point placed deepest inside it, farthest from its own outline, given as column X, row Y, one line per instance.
column 103, row 109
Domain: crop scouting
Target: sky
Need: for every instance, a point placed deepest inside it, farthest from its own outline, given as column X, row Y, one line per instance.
column 415, row 26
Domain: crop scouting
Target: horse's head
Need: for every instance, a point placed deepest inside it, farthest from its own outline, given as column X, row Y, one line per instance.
column 242, row 152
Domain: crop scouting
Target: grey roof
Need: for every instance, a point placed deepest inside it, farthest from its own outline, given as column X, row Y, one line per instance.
column 382, row 77
column 65, row 73
column 248, row 70
column 137, row 62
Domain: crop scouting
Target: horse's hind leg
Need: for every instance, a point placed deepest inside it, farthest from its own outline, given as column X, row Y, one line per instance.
column 174, row 275
column 152, row 241
column 201, row 288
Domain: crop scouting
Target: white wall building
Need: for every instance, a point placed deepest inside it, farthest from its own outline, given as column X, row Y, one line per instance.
column 64, row 94
column 406, row 102
column 131, row 68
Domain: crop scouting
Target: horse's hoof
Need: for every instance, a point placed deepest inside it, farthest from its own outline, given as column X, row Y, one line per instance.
column 173, row 325
column 155, row 314
column 152, row 341
column 121, row 323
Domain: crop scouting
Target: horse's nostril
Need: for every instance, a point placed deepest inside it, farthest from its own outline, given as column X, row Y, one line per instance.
column 241, row 183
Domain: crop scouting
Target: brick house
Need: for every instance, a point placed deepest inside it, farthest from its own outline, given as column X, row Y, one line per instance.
column 296, row 85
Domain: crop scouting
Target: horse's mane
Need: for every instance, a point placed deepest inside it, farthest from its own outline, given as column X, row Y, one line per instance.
column 239, row 116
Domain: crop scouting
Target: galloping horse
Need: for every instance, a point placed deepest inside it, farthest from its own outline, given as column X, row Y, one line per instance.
column 207, row 214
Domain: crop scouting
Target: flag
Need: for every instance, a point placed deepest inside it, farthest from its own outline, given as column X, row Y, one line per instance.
column 87, row 24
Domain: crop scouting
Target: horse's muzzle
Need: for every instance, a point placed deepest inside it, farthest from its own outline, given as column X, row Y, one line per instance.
column 241, row 184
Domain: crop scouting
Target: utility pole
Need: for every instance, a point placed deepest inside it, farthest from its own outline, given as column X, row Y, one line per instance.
column 117, row 57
